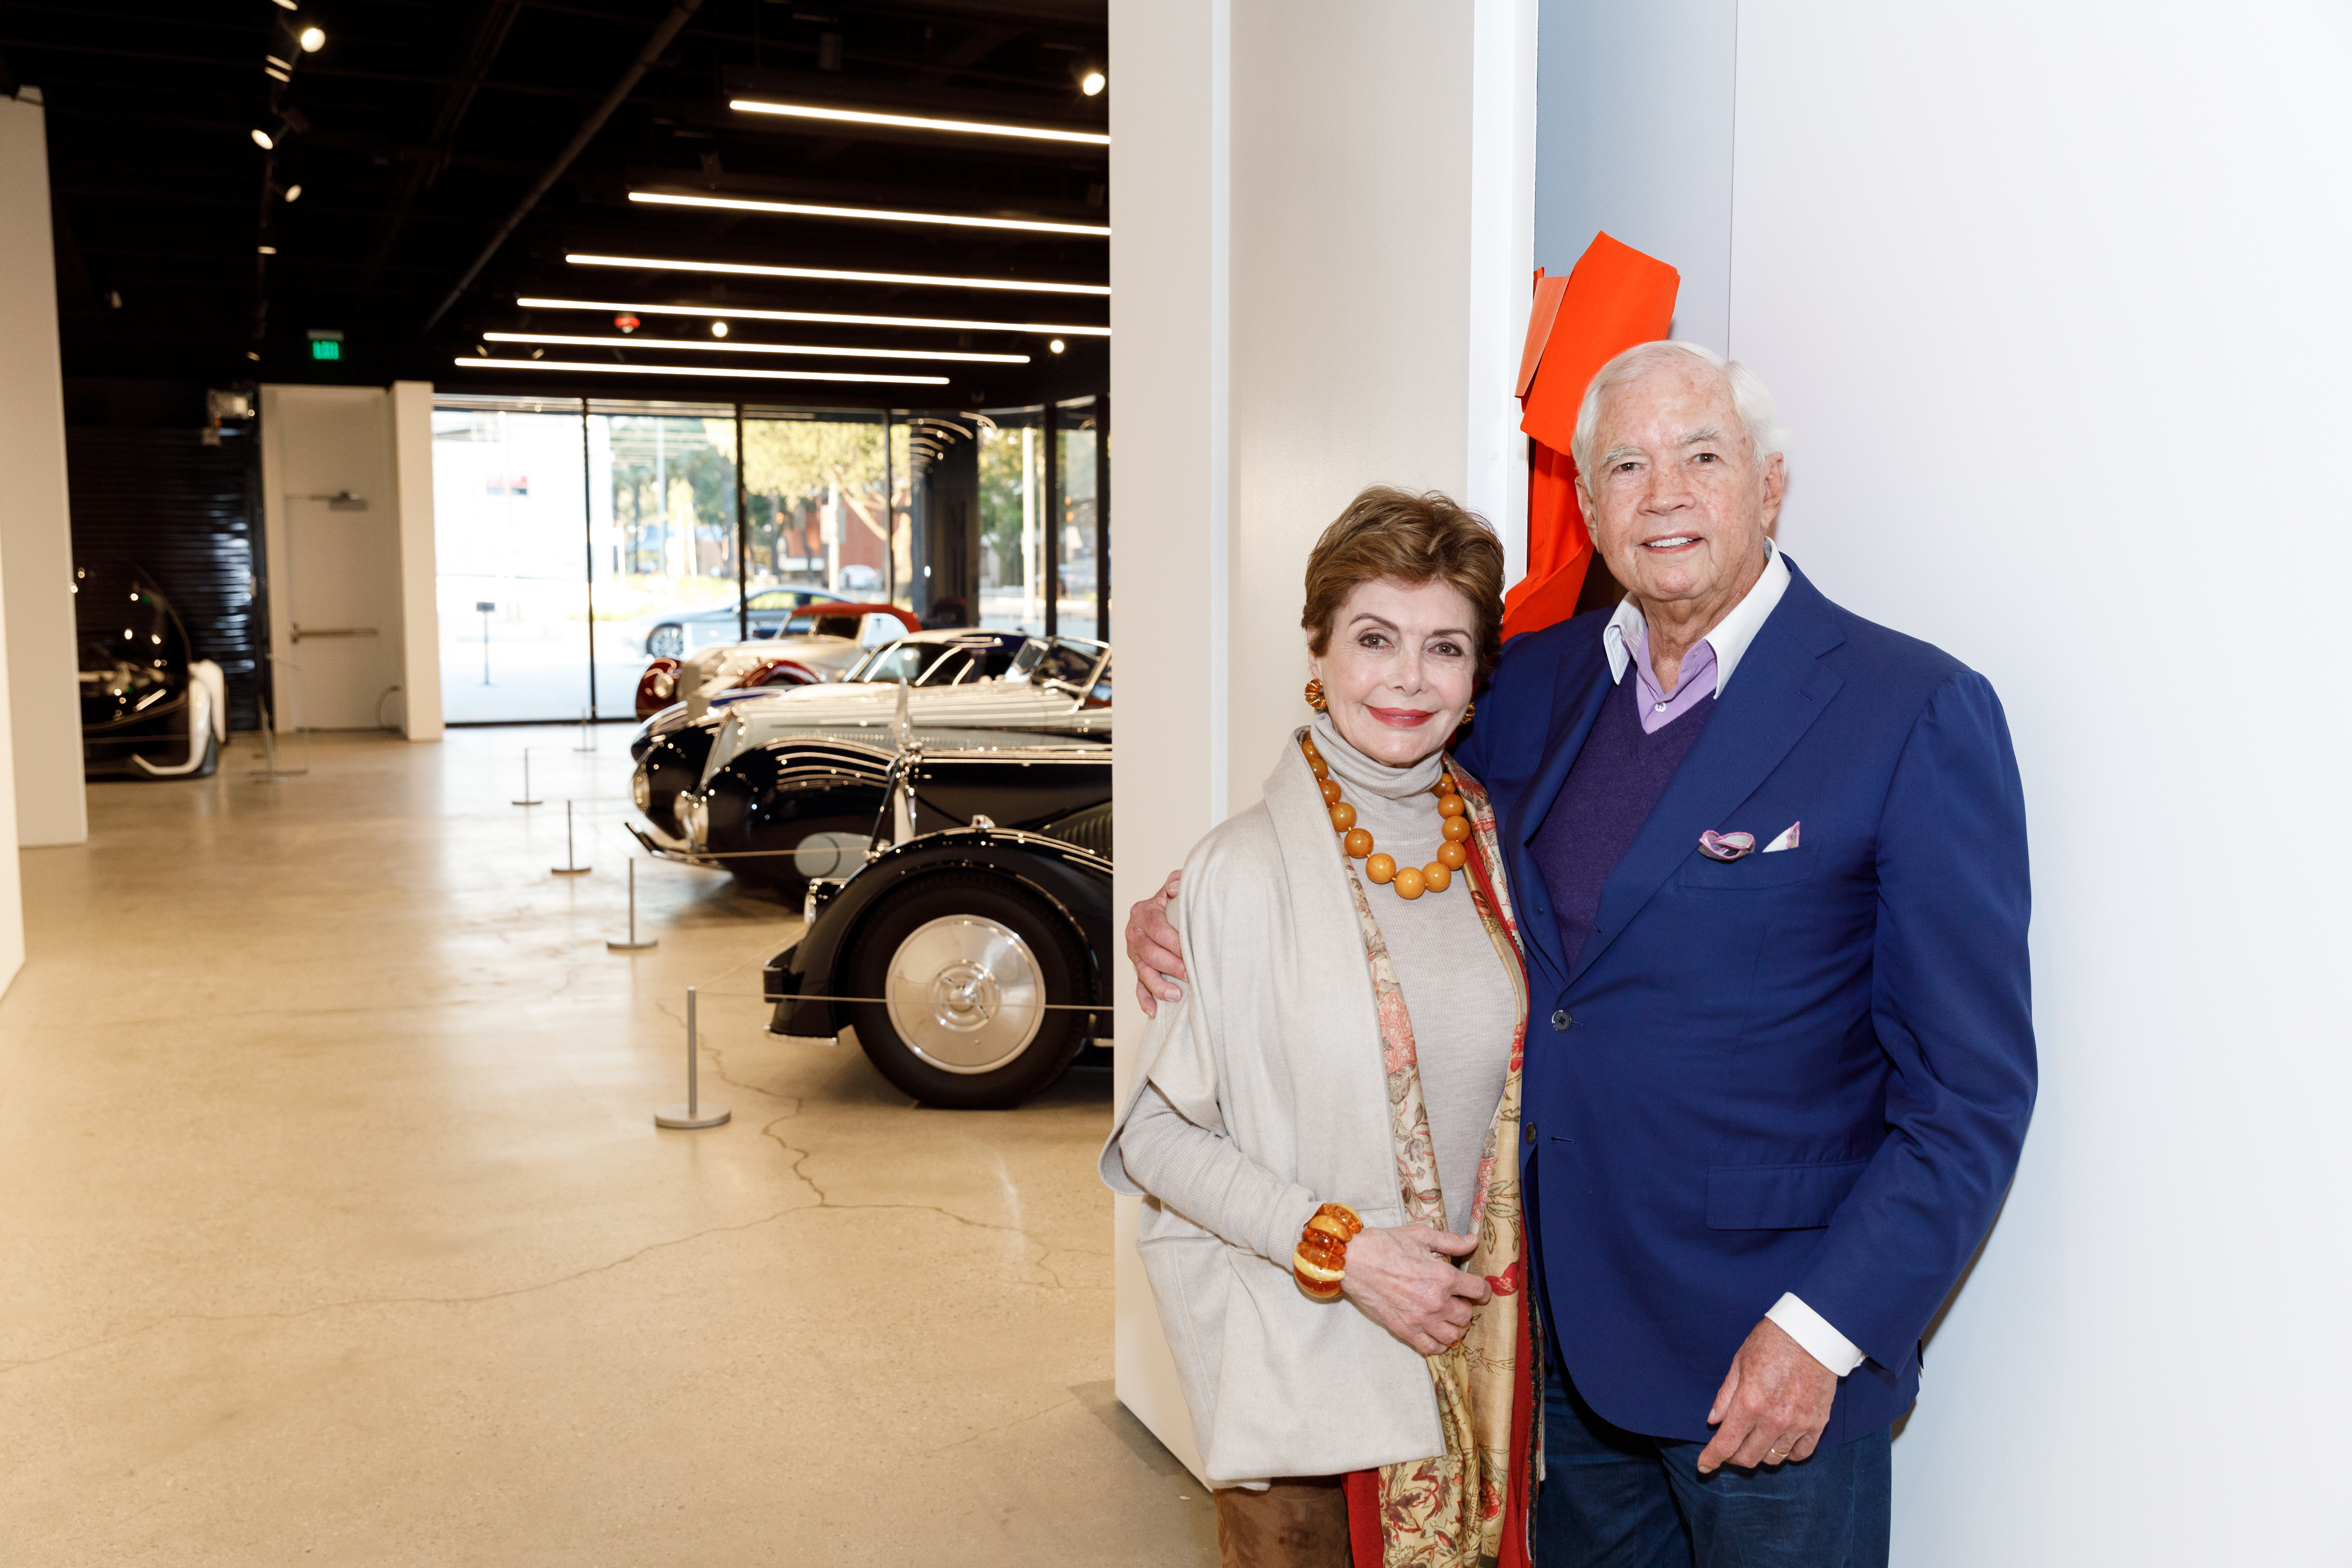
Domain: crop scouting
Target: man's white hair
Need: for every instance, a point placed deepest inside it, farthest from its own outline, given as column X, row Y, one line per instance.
column 1748, row 397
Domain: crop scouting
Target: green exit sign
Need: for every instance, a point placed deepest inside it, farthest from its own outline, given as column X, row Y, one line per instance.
column 326, row 345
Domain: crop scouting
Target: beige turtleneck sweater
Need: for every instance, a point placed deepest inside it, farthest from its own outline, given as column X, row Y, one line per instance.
column 1462, row 1000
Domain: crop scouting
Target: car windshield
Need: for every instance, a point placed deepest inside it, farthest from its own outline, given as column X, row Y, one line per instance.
column 811, row 623
column 935, row 664
column 1054, row 659
column 948, row 671
column 898, row 662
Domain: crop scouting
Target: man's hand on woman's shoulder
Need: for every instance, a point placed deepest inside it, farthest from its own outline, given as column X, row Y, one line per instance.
column 1153, row 948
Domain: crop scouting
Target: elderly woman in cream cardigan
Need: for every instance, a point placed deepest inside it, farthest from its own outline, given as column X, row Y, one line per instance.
column 1325, row 1123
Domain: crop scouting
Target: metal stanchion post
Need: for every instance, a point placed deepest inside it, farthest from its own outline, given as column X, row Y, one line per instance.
column 632, row 944
column 694, row 1112
column 528, row 798
column 570, row 866
column 587, row 740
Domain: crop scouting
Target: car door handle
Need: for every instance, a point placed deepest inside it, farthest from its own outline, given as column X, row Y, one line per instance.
column 302, row 632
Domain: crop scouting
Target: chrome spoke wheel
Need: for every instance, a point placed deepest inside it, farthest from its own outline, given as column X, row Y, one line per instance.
column 965, row 993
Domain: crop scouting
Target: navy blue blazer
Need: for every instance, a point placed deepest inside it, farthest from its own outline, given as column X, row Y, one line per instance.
column 1808, row 1070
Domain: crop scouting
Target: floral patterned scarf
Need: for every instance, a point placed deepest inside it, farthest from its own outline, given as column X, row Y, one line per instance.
column 1465, row 1508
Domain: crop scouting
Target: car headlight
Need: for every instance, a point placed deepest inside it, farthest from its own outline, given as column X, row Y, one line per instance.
column 641, row 790
column 664, row 686
column 694, row 816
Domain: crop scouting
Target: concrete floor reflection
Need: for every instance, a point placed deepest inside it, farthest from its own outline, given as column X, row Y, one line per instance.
column 339, row 1229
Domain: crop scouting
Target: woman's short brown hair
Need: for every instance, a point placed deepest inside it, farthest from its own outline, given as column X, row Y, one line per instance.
column 1387, row 533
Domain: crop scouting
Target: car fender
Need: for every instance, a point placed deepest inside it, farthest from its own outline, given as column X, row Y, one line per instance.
column 805, row 981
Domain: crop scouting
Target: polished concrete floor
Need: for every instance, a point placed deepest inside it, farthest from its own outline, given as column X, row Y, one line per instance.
column 336, row 1229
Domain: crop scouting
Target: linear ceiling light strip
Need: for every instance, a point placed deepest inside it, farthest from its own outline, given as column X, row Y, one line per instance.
column 725, row 373
column 737, row 313
column 915, row 121
column 879, row 215
column 695, row 345
column 747, row 270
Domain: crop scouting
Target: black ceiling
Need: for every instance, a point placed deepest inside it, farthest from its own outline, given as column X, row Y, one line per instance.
column 421, row 124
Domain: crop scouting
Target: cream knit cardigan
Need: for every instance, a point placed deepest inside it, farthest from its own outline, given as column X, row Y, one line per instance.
column 1277, row 1046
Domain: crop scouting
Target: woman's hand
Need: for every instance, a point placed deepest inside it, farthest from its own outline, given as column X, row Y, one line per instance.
column 1155, row 950
column 1402, row 1278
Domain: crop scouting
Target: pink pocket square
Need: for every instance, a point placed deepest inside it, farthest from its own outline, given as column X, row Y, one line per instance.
column 1717, row 846
column 1787, row 840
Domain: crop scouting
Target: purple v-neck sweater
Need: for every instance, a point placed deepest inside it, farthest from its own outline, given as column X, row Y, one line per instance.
column 1613, row 786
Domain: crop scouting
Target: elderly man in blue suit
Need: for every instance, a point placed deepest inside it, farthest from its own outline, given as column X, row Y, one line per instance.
column 1770, row 861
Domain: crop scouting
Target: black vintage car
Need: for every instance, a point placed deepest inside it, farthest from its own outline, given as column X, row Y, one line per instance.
column 970, row 959
column 149, row 709
column 671, row 748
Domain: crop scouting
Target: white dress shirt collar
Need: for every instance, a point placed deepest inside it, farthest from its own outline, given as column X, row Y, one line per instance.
column 1731, row 637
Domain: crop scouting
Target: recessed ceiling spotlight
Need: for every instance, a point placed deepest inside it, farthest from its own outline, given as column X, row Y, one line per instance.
column 281, row 65
column 1056, row 345
column 719, row 329
column 729, row 373
column 748, row 269
column 262, row 139
column 266, row 249
column 1092, row 83
column 274, row 74
column 294, row 193
column 913, row 121
column 312, row 39
column 629, row 322
column 252, row 354
column 882, row 215
column 289, row 5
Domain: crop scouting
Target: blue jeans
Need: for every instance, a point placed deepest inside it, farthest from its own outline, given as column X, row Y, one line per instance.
column 1613, row 1499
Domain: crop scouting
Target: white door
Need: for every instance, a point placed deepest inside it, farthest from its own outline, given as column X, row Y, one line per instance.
column 340, row 583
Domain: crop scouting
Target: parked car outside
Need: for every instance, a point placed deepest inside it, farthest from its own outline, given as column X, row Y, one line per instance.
column 675, row 632
column 823, row 642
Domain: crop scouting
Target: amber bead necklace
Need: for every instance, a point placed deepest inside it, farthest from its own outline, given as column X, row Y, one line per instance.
column 1410, row 882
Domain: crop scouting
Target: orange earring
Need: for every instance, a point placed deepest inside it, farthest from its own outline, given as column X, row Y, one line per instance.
column 1315, row 697
column 1469, row 710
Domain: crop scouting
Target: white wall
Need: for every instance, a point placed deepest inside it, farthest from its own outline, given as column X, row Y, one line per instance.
column 2054, row 300
column 410, row 409
column 1350, row 268
column 1296, row 317
column 35, row 530
column 1635, row 138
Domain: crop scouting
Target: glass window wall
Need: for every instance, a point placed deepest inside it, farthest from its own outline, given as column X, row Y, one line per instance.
column 1038, row 475
column 512, row 594
column 578, row 539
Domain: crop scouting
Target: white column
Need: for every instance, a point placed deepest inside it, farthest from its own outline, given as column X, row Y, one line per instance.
column 36, row 529
column 1168, row 64
column 1292, row 276
column 411, row 411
